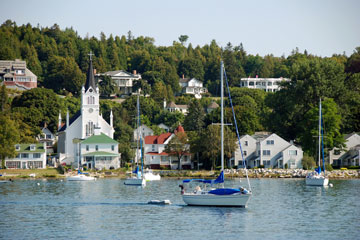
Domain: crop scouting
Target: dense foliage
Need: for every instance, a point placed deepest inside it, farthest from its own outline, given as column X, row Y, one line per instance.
column 60, row 60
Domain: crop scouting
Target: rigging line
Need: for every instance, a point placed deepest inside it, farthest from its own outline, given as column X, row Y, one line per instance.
column 236, row 127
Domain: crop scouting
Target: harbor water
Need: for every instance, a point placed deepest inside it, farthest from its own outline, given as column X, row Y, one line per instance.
column 107, row 209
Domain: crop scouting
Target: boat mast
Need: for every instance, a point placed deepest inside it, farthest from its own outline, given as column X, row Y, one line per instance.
column 222, row 112
column 319, row 157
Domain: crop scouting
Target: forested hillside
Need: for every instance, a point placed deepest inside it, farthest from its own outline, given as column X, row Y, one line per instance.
column 60, row 60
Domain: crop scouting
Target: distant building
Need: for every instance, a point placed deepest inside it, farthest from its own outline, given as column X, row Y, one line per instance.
column 268, row 150
column 48, row 138
column 144, row 131
column 172, row 107
column 165, row 127
column 157, row 158
column 212, row 106
column 123, row 80
column 15, row 75
column 28, row 156
column 266, row 84
column 350, row 155
column 192, row 86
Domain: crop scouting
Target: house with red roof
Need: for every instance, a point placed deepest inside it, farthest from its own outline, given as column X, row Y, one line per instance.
column 157, row 158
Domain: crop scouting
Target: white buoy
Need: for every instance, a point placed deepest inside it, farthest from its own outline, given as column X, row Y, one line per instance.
column 331, row 185
column 38, row 184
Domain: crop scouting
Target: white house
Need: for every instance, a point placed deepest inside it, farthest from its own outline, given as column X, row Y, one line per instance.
column 144, row 131
column 350, row 155
column 266, row 84
column 269, row 150
column 28, row 156
column 192, row 86
column 157, row 158
column 84, row 123
column 99, row 152
column 48, row 138
column 123, row 80
column 172, row 107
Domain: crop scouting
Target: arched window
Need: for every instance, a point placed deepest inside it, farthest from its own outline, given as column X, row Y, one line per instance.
column 90, row 129
column 91, row 100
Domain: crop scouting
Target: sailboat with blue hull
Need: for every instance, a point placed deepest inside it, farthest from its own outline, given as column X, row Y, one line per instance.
column 318, row 177
column 211, row 195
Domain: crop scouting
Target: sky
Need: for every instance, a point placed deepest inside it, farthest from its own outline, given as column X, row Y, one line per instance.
column 322, row 27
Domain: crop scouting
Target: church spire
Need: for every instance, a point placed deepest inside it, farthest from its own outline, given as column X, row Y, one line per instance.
column 90, row 80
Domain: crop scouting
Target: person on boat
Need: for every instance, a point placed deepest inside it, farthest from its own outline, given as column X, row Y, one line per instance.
column 182, row 189
column 197, row 189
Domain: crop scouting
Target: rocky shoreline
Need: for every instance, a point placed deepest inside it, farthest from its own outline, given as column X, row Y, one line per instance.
column 229, row 173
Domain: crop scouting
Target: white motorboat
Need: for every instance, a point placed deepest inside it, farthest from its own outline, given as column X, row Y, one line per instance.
column 318, row 177
column 150, row 176
column 219, row 197
column 81, row 177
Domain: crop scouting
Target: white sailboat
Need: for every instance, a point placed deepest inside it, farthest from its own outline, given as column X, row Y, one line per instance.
column 220, row 197
column 318, row 178
column 138, row 179
column 150, row 176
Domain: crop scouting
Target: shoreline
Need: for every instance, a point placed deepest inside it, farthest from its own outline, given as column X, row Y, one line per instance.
column 182, row 174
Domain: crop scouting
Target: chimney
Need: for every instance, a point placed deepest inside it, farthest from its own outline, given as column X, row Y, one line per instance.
column 134, row 72
column 183, row 76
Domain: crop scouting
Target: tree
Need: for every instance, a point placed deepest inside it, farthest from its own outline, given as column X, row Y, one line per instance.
column 107, row 86
column 178, row 146
column 308, row 162
column 194, row 120
column 183, row 39
column 9, row 136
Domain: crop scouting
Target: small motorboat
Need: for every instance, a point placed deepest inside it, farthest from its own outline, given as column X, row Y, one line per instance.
column 160, row 202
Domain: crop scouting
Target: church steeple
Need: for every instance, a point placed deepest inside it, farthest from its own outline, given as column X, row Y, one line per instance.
column 90, row 80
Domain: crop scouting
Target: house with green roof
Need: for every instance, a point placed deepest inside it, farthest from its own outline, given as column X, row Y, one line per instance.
column 99, row 152
column 28, row 156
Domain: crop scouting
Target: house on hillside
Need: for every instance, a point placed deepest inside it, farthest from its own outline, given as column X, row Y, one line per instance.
column 192, row 86
column 350, row 155
column 165, row 127
column 15, row 75
column 28, row 156
column 123, row 80
column 268, row 150
column 48, row 138
column 172, row 107
column 157, row 158
column 212, row 106
column 266, row 84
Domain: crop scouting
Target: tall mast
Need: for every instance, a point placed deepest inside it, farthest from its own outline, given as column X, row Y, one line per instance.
column 319, row 133
column 222, row 113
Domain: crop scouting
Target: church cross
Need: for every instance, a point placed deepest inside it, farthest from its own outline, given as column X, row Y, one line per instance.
column 90, row 54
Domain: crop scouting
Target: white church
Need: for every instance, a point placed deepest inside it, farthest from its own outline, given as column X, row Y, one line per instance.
column 86, row 137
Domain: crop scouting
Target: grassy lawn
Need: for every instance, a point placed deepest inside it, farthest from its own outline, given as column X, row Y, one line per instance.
column 24, row 173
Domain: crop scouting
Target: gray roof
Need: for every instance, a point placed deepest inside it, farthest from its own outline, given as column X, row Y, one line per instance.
column 90, row 80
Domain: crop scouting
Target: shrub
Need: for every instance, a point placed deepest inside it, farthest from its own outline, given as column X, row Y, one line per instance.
column 354, row 167
column 328, row 167
column 261, row 166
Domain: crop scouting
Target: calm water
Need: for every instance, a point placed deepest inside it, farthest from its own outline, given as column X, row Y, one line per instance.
column 106, row 209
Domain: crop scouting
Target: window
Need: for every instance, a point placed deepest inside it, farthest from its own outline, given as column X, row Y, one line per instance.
column 48, row 136
column 24, row 155
column 246, row 143
column 266, row 152
column 245, row 153
column 97, row 147
column 112, row 148
column 269, row 142
column 337, row 152
column 87, row 147
column 13, row 164
column 293, row 152
column 269, row 83
column 17, row 147
column 266, row 163
column 251, row 83
column 153, row 148
column 32, row 147
column 91, row 99
column 90, row 128
column 36, row 155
